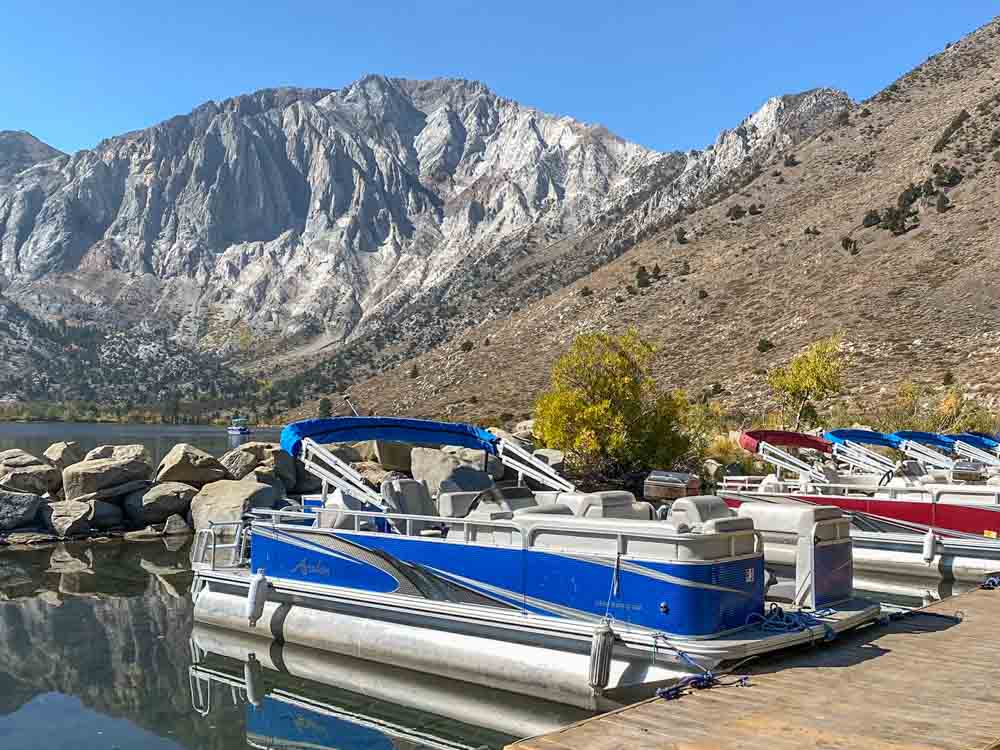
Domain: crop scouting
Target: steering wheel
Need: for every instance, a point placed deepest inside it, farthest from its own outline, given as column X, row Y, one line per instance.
column 490, row 493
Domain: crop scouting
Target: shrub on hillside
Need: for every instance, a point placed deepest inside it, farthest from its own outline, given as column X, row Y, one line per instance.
column 605, row 411
column 764, row 345
column 467, row 346
column 872, row 218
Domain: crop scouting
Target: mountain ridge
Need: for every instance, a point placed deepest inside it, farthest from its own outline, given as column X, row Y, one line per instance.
column 352, row 220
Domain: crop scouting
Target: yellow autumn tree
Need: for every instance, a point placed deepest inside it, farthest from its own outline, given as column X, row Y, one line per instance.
column 605, row 412
column 810, row 376
column 918, row 407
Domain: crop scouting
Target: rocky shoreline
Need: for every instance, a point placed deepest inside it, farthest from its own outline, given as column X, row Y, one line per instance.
column 115, row 491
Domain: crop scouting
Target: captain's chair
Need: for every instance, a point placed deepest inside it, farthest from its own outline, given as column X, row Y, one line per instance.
column 410, row 497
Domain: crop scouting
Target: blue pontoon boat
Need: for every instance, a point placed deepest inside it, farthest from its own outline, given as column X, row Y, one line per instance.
column 586, row 597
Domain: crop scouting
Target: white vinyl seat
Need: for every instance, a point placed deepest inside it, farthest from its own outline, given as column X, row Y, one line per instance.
column 410, row 497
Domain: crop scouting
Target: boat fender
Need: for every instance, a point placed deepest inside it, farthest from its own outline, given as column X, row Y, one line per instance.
column 251, row 676
column 601, row 648
column 256, row 596
column 930, row 546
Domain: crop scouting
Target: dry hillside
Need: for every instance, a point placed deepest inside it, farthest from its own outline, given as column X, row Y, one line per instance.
column 913, row 301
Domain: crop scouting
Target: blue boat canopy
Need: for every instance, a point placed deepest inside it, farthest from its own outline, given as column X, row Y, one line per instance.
column 864, row 437
column 930, row 439
column 978, row 439
column 397, row 429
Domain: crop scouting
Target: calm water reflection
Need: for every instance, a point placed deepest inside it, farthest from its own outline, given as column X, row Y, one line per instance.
column 35, row 437
column 96, row 652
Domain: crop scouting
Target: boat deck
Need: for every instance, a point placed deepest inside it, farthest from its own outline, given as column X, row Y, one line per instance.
column 924, row 682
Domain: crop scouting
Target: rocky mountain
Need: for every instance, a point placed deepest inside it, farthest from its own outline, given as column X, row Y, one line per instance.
column 880, row 225
column 356, row 226
column 20, row 150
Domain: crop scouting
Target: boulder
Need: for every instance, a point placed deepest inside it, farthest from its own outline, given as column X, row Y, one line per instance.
column 133, row 450
column 266, row 475
column 115, row 494
column 525, row 427
column 374, row 473
column 393, row 456
column 190, row 465
column 95, row 474
column 438, row 467
column 306, row 483
column 37, row 479
column 348, row 452
column 555, row 459
column 271, row 455
column 227, row 500
column 239, row 462
column 67, row 517
column 475, row 459
column 159, row 502
column 105, row 515
column 14, row 458
column 176, row 526
column 63, row 454
column 18, row 509
column 519, row 442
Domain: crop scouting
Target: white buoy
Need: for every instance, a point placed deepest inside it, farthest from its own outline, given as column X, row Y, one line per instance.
column 601, row 647
column 930, row 546
column 251, row 675
column 256, row 596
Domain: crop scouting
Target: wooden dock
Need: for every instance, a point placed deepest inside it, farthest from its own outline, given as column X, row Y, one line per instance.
column 923, row 682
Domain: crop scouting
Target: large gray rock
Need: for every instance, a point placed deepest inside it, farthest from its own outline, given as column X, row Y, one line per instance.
column 115, row 494
column 243, row 460
column 67, row 517
column 227, row 500
column 87, row 478
column 63, row 454
column 438, row 467
column 393, row 456
column 120, row 452
column 239, row 462
column 38, row 479
column 266, row 475
column 18, row 509
column 176, row 526
column 476, row 459
column 158, row 503
column 15, row 457
column 306, row 483
column 105, row 515
column 554, row 458
column 190, row 465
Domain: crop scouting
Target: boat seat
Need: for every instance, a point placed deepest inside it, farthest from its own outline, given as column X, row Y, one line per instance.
column 696, row 511
column 456, row 504
column 544, row 510
column 607, row 504
column 330, row 519
column 409, row 497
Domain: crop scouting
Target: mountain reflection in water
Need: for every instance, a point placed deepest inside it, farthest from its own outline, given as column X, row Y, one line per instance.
column 96, row 651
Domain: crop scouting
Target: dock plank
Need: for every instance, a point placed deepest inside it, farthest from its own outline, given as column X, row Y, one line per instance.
column 923, row 682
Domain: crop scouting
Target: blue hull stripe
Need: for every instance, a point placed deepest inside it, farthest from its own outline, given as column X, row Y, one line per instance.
column 688, row 599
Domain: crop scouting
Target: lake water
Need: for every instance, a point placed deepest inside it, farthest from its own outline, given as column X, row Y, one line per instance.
column 96, row 653
column 35, row 437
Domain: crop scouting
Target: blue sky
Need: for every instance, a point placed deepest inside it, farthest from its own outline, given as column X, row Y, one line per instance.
column 668, row 75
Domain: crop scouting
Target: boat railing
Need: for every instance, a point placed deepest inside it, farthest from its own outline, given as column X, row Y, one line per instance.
column 971, row 452
column 364, row 521
column 207, row 545
column 874, row 492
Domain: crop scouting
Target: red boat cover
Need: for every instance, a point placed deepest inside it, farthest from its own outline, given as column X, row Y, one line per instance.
column 752, row 439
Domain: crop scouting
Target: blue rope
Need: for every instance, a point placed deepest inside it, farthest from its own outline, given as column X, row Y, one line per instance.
column 992, row 583
column 705, row 679
column 777, row 620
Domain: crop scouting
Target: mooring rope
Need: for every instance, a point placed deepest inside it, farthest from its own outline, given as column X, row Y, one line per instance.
column 777, row 620
column 992, row 583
